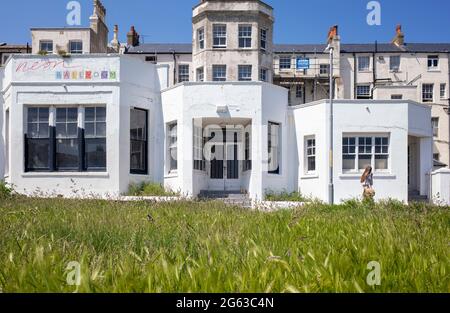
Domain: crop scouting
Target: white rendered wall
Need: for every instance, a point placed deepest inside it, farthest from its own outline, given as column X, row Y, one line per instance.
column 440, row 188
column 2, row 128
column 135, row 84
column 244, row 101
column 364, row 118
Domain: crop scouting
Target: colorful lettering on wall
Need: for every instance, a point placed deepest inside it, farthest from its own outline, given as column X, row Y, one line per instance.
column 86, row 75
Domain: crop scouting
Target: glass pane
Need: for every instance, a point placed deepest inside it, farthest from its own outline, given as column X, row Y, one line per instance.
column 95, row 150
column 38, row 154
column 72, row 130
column 101, row 114
column 348, row 163
column 32, row 115
column 89, row 114
column 381, row 162
column 72, row 115
column 61, row 130
column 33, row 130
column 89, row 130
column 67, row 153
column 101, row 129
column 43, row 131
column 138, row 124
column 43, row 115
column 61, row 115
column 137, row 155
column 364, row 161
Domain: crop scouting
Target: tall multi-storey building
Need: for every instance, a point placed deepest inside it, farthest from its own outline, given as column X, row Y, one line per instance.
column 74, row 40
column 378, row 71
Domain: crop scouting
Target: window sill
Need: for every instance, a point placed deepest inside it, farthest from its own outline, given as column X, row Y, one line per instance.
column 66, row 174
column 434, row 70
column 357, row 175
column 173, row 174
column 310, row 176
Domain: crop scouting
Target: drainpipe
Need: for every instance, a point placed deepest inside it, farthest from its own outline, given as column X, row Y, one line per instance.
column 330, row 49
column 374, row 65
column 174, row 67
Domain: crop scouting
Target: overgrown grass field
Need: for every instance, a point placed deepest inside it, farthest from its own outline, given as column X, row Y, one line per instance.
column 208, row 247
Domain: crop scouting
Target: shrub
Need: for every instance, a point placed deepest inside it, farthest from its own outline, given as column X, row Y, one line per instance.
column 284, row 196
column 5, row 191
column 149, row 189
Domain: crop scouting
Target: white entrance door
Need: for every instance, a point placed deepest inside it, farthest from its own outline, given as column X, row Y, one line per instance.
column 224, row 167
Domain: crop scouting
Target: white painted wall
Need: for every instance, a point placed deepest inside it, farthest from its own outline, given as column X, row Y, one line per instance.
column 136, row 85
column 2, row 127
column 257, row 101
column 358, row 118
column 440, row 188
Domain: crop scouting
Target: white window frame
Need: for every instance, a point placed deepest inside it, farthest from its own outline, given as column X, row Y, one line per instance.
column 245, row 73
column 433, row 62
column 274, row 148
column 263, row 75
column 200, row 74
column 223, row 72
column 245, row 34
column 443, row 91
column 363, row 66
column 310, row 153
column 172, row 145
column 183, row 73
column 219, row 34
column 427, row 92
column 199, row 158
column 75, row 51
column 365, row 95
column 263, row 39
column 381, row 150
column 394, row 63
column 284, row 64
column 201, row 38
column 42, row 42
column 324, row 69
column 435, row 126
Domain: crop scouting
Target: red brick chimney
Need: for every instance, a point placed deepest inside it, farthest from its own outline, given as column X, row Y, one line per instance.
column 133, row 37
column 399, row 39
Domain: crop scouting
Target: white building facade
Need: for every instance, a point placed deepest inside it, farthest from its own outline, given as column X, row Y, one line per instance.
column 93, row 124
column 80, row 126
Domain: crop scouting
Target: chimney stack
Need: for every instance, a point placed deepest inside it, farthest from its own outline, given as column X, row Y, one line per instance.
column 133, row 37
column 115, row 44
column 333, row 33
column 399, row 39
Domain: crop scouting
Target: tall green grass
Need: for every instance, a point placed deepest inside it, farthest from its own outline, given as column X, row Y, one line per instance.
column 208, row 247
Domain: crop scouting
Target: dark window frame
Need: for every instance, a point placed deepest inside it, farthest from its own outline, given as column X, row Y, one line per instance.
column 144, row 171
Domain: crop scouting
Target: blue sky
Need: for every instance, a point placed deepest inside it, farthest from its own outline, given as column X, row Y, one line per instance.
column 297, row 21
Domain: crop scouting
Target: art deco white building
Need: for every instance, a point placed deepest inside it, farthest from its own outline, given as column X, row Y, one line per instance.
column 93, row 124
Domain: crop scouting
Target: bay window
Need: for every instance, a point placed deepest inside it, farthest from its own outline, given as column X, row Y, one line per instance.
column 138, row 141
column 358, row 152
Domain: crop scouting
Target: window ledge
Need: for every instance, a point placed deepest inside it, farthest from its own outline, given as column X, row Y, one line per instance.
column 171, row 175
column 310, row 176
column 66, row 174
column 386, row 175
column 434, row 70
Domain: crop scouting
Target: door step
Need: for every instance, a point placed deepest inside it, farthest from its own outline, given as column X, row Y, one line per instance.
column 234, row 198
column 414, row 196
